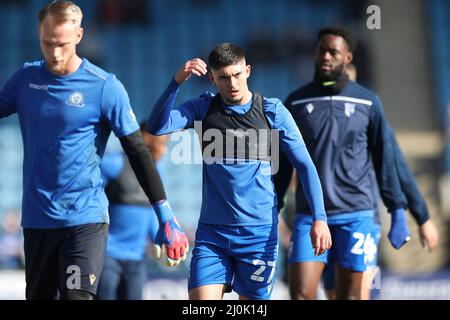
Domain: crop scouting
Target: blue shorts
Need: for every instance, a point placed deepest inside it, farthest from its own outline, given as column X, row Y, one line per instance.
column 241, row 257
column 371, row 256
column 371, row 246
column 349, row 237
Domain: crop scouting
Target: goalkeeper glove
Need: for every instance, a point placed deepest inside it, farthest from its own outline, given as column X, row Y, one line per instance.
column 170, row 235
column 399, row 233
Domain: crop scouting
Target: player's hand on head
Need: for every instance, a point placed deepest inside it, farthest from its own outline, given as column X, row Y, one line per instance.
column 320, row 237
column 170, row 236
column 195, row 66
column 399, row 233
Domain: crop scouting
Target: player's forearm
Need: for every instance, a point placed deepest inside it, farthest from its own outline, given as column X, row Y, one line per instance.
column 143, row 167
column 383, row 157
column 309, row 179
column 416, row 203
column 389, row 184
column 162, row 119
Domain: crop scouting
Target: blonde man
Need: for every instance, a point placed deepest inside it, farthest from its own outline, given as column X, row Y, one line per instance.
column 67, row 108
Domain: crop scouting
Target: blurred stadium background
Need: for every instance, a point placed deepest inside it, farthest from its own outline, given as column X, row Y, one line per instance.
column 144, row 42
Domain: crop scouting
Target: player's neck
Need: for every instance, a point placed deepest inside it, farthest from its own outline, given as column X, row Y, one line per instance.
column 331, row 86
column 246, row 98
column 73, row 65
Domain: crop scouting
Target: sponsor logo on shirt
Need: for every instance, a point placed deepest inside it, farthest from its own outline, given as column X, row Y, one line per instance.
column 76, row 99
column 349, row 109
column 309, row 107
column 38, row 86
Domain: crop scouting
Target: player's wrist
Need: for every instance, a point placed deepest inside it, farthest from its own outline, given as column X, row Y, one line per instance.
column 396, row 210
column 424, row 221
column 320, row 216
column 398, row 214
column 177, row 79
column 163, row 211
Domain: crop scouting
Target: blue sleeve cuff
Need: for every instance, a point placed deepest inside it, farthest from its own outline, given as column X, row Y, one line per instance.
column 173, row 85
column 320, row 217
column 163, row 211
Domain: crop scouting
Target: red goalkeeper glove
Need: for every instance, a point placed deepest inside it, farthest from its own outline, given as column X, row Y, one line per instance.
column 170, row 235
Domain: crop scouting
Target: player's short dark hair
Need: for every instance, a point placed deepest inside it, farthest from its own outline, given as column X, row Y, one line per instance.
column 340, row 31
column 225, row 54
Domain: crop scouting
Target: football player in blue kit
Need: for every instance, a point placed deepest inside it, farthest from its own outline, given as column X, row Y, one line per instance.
column 347, row 135
column 67, row 108
column 236, row 238
column 417, row 206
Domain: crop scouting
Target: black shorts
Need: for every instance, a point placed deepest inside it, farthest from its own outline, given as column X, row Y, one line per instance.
column 61, row 259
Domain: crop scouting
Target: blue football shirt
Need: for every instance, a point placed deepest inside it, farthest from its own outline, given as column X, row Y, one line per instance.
column 241, row 193
column 65, row 123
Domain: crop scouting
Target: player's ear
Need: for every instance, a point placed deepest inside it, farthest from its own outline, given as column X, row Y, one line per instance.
column 349, row 57
column 211, row 78
column 248, row 69
column 79, row 35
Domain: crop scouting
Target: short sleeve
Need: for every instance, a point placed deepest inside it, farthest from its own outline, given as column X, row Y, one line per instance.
column 116, row 108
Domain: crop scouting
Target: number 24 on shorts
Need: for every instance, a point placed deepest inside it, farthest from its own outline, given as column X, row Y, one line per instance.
column 363, row 244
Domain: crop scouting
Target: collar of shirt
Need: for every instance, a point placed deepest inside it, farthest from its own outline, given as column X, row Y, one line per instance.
column 239, row 108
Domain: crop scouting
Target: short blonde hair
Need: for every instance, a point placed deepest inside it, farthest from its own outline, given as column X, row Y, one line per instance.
column 62, row 11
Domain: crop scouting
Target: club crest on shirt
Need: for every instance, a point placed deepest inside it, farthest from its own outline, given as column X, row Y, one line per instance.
column 309, row 107
column 349, row 109
column 76, row 99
